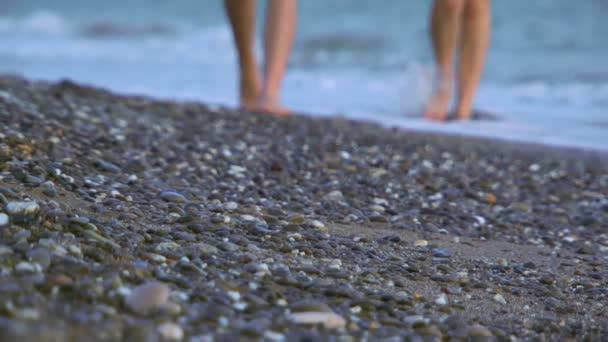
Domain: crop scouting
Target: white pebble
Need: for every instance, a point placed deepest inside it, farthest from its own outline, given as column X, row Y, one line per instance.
column 317, row 224
column 234, row 295
column 171, row 331
column 147, row 297
column 442, row 300
column 26, row 267
column 500, row 299
column 274, row 336
column 421, row 243
column 3, row 219
column 329, row 319
column 231, row 206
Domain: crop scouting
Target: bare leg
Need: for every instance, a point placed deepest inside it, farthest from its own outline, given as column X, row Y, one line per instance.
column 241, row 14
column 278, row 37
column 445, row 26
column 474, row 46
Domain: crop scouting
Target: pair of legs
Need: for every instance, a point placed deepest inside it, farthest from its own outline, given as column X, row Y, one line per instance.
column 462, row 25
column 261, row 93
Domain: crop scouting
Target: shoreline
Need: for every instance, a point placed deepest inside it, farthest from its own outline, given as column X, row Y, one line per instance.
column 594, row 154
column 133, row 218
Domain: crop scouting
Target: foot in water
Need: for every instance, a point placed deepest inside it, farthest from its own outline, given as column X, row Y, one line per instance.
column 437, row 107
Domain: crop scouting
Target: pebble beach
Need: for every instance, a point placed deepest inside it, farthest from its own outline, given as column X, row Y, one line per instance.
column 129, row 218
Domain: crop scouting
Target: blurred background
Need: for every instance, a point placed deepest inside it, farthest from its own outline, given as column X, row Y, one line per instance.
column 546, row 76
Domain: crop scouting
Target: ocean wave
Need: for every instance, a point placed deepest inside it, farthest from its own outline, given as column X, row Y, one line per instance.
column 107, row 29
column 40, row 22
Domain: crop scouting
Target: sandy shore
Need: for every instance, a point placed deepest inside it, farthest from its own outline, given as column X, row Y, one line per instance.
column 129, row 218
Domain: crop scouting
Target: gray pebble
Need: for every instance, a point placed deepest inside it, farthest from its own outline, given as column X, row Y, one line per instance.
column 3, row 219
column 171, row 196
column 147, row 297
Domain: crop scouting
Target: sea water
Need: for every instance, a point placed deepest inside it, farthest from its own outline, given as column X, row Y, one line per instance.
column 546, row 78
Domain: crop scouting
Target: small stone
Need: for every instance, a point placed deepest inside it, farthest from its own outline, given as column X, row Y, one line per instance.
column 107, row 166
column 228, row 246
column 442, row 253
column 479, row 331
column 500, row 299
column 3, row 219
column 377, row 208
column 49, row 189
column 206, row 249
column 421, row 243
column 319, row 226
column 28, row 314
column 170, row 308
column 231, row 206
column 41, row 256
column 248, row 218
column 171, row 331
column 274, row 336
column 442, row 299
column 310, row 306
column 26, row 267
column 23, row 212
column 5, row 250
column 328, row 319
column 334, row 196
column 171, row 196
column 147, row 297
column 262, row 269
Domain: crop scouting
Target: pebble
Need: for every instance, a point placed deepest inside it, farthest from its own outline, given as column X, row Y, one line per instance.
column 41, row 256
column 319, row 226
column 171, row 196
column 477, row 330
column 230, row 206
column 206, row 249
column 49, row 189
column 334, row 196
column 147, row 297
column 3, row 220
column 421, row 243
column 171, row 331
column 310, row 306
column 26, row 267
column 23, row 212
column 329, row 320
column 107, row 166
column 500, row 299
column 442, row 253
column 442, row 299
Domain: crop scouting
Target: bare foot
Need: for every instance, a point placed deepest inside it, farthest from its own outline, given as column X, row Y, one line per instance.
column 250, row 86
column 464, row 112
column 465, row 116
column 272, row 106
column 437, row 107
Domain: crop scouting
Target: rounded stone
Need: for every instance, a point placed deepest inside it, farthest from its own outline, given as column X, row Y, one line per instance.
column 172, row 196
column 147, row 297
column 171, row 331
column 23, row 212
column 3, row 219
column 328, row 319
column 479, row 331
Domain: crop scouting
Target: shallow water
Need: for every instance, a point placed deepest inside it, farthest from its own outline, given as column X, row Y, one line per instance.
column 545, row 78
